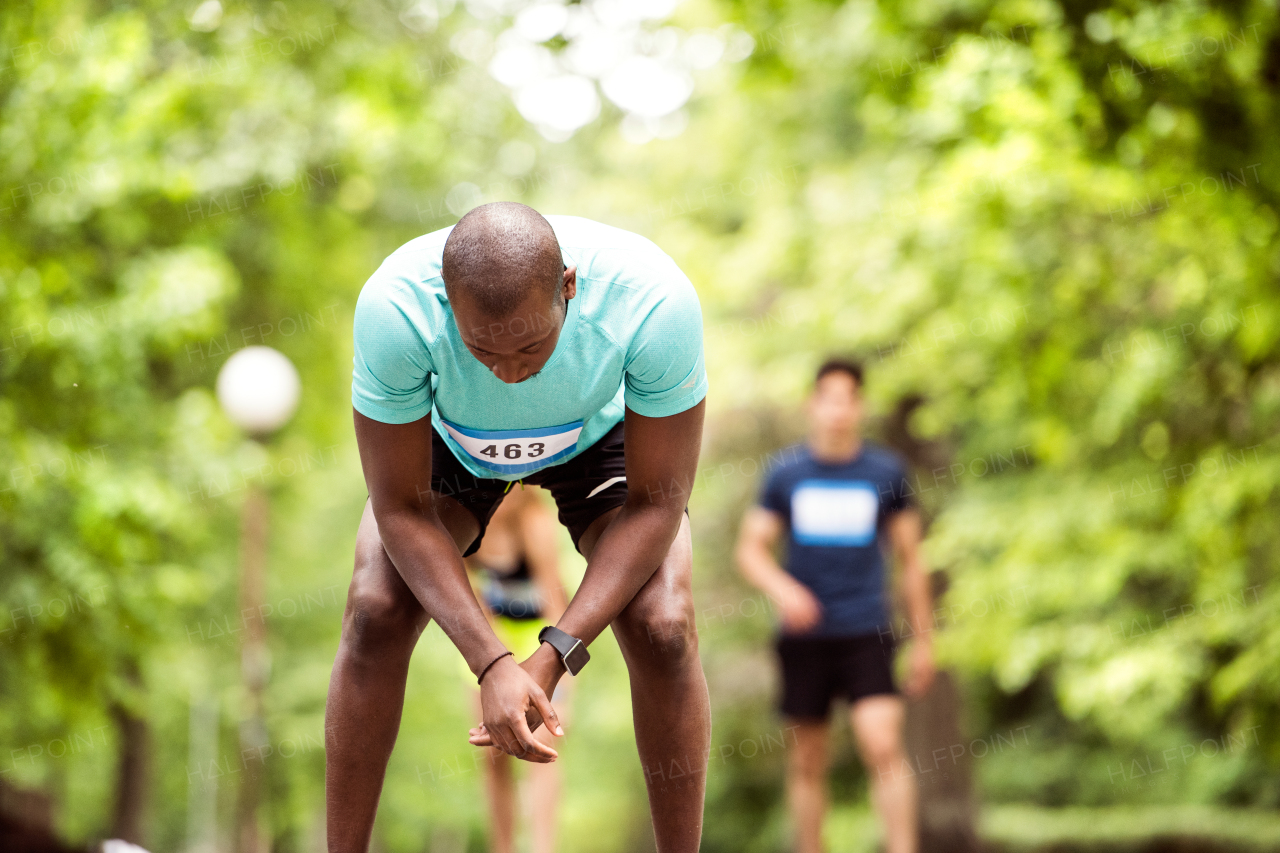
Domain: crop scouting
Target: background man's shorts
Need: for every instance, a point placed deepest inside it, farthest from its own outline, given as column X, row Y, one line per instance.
column 585, row 488
column 817, row 669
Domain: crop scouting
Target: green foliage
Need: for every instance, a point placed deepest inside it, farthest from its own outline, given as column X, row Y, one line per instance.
column 1049, row 228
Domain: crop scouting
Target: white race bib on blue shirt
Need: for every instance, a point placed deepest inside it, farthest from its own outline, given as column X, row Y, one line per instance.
column 516, row 451
column 834, row 512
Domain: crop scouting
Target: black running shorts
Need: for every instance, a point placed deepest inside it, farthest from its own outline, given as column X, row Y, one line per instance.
column 584, row 488
column 817, row 669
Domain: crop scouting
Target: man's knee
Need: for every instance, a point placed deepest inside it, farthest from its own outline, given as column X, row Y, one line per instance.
column 379, row 617
column 877, row 724
column 663, row 635
column 881, row 752
column 808, row 761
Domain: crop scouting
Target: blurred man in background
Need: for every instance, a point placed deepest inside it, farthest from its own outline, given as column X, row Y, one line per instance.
column 839, row 499
column 518, row 575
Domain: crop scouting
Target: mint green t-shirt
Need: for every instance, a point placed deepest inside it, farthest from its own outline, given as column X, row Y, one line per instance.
column 632, row 337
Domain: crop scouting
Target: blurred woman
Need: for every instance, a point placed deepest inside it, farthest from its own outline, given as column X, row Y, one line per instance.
column 517, row 575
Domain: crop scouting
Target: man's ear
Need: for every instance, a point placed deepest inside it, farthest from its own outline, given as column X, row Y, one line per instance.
column 570, row 287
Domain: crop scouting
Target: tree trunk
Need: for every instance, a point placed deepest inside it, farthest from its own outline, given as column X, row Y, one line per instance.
column 255, row 659
column 133, row 776
column 26, row 822
column 939, row 752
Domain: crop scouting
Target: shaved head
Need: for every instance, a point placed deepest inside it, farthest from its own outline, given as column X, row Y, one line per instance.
column 498, row 255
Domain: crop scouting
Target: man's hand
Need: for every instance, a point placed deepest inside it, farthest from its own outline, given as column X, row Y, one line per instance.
column 905, row 532
column 761, row 529
column 509, row 696
column 921, row 672
column 801, row 610
column 545, row 670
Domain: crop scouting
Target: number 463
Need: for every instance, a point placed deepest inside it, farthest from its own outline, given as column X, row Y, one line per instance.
column 515, row 451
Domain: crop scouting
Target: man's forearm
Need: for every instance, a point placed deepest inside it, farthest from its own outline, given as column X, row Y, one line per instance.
column 627, row 554
column 917, row 594
column 427, row 559
column 762, row 571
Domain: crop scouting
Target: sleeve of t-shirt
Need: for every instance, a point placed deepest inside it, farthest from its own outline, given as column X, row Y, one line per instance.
column 776, row 495
column 900, row 494
column 665, row 370
column 391, row 379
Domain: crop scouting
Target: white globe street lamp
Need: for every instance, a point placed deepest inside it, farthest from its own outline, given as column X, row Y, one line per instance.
column 258, row 388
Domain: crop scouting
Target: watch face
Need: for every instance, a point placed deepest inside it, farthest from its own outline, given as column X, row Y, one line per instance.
column 576, row 659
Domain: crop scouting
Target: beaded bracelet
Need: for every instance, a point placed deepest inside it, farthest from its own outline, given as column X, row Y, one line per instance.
column 480, row 678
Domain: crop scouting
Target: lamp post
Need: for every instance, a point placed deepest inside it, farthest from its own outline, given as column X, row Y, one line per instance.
column 258, row 389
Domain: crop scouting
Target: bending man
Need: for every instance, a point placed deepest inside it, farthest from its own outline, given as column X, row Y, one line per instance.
column 567, row 354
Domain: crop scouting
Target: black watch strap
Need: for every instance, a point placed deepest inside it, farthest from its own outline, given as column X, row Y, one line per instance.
column 573, row 654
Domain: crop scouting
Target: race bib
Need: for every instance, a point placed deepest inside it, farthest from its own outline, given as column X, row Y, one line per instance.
column 827, row 512
column 516, row 451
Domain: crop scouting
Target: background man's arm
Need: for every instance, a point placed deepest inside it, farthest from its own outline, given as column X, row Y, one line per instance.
column 905, row 534
column 761, row 529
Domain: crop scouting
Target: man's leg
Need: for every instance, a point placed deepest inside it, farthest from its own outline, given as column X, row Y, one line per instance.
column 807, row 783
column 669, row 701
column 877, row 728
column 380, row 627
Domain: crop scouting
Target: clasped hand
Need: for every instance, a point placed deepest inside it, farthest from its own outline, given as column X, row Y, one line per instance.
column 513, row 702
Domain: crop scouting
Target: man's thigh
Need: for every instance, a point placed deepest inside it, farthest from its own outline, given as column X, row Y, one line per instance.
column 810, row 743
column 877, row 723
column 587, row 543
column 589, row 489
column 463, row 501
column 662, row 612
column 808, row 669
column 376, row 584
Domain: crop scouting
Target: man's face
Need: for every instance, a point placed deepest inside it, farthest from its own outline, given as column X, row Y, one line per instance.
column 516, row 346
column 835, row 406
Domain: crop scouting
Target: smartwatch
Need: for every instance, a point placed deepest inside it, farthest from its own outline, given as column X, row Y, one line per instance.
column 573, row 654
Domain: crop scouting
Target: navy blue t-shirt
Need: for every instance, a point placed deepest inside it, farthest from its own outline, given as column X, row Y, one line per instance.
column 834, row 514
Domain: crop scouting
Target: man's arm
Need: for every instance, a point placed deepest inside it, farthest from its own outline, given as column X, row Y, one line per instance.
column 904, row 530
column 397, row 469
column 761, row 529
column 661, row 463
